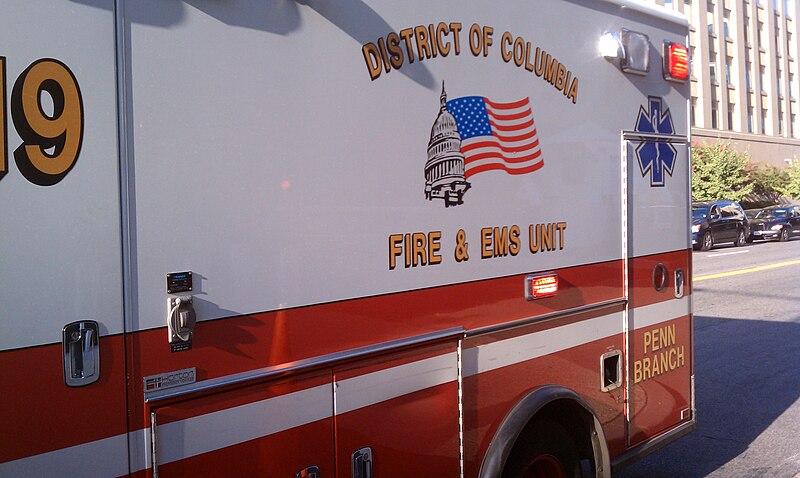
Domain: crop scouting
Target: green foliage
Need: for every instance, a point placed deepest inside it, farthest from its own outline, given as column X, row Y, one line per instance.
column 768, row 181
column 791, row 187
column 719, row 172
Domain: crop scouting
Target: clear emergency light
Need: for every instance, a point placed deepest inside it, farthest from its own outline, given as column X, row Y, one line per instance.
column 676, row 62
column 631, row 48
column 541, row 286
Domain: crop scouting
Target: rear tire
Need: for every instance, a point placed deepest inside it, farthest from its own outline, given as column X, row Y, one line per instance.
column 707, row 241
column 545, row 449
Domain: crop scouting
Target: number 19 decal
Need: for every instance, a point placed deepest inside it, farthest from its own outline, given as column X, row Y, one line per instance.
column 51, row 142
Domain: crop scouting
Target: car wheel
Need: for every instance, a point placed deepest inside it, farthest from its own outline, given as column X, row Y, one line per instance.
column 740, row 239
column 708, row 241
column 784, row 235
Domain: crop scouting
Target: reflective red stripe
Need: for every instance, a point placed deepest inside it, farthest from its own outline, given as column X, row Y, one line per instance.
column 34, row 413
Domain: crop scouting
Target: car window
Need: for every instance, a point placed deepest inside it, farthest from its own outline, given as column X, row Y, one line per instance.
column 715, row 211
column 780, row 212
column 699, row 212
column 730, row 211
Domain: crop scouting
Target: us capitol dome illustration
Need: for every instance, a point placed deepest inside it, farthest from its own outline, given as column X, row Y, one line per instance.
column 444, row 170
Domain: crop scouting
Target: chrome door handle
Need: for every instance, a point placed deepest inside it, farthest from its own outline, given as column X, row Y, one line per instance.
column 362, row 463
column 81, row 346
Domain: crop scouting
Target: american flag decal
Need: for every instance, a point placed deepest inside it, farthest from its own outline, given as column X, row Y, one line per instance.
column 496, row 136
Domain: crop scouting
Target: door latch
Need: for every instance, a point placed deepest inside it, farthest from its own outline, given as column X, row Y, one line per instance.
column 679, row 280
column 308, row 472
column 362, row 463
column 81, row 346
column 180, row 322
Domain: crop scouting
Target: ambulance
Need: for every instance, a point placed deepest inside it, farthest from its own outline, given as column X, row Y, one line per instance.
column 355, row 238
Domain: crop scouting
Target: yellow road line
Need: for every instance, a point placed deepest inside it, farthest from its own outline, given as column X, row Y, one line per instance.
column 747, row 271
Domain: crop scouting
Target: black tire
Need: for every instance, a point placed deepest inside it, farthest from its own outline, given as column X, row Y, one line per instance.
column 545, row 449
column 740, row 238
column 707, row 241
column 784, row 235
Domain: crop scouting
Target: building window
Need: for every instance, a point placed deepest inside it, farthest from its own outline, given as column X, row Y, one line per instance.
column 747, row 78
column 711, row 19
column 712, row 73
column 714, row 112
column 749, row 120
column 763, row 121
column 731, row 107
column 694, row 107
column 792, row 119
column 728, row 73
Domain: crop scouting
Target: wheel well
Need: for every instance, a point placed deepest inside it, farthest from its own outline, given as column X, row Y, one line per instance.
column 548, row 403
column 575, row 419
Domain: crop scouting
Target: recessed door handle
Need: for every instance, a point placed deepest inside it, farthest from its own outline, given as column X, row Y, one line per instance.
column 362, row 463
column 81, row 347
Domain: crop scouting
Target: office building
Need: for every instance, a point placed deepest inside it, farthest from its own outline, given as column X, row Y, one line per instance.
column 745, row 75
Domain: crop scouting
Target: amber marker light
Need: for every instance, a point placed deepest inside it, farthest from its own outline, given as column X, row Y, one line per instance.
column 676, row 62
column 541, row 286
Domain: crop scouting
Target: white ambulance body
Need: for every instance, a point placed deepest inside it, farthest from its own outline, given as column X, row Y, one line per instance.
column 355, row 238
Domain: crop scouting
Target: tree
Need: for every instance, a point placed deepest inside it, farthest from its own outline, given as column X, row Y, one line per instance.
column 719, row 172
column 791, row 187
column 768, row 183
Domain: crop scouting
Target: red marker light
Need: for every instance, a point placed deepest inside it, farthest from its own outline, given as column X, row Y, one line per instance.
column 676, row 62
column 538, row 287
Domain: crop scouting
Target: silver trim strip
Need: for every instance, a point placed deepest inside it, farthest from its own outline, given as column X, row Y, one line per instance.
column 539, row 318
column 648, row 447
column 639, row 136
column 283, row 369
column 154, row 443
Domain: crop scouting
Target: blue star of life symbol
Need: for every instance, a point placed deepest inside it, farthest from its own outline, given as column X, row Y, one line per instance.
column 655, row 157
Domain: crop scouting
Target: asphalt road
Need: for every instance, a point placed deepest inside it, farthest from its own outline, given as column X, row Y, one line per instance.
column 747, row 368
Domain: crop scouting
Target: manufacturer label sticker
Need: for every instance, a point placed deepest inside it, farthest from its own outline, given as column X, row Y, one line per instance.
column 170, row 379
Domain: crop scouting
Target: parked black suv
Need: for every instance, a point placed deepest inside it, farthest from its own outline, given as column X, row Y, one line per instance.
column 776, row 222
column 714, row 222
